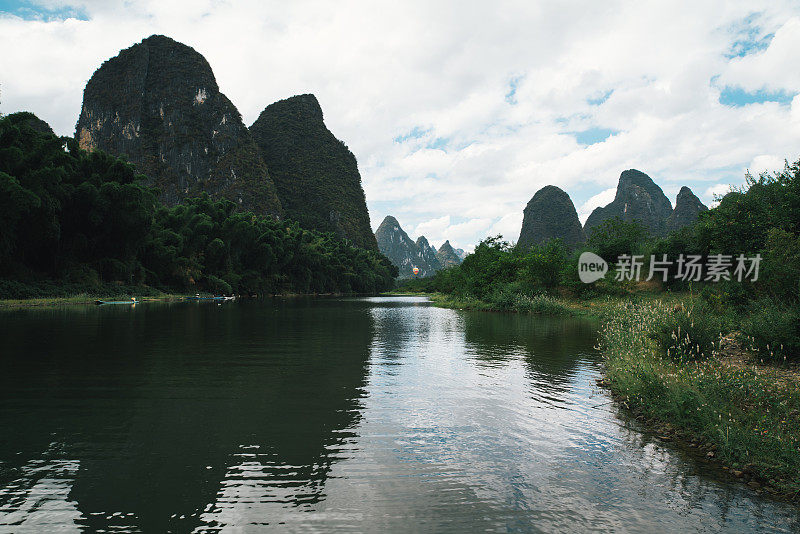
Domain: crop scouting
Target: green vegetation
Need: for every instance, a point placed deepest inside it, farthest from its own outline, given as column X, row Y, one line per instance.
column 75, row 222
column 744, row 415
column 537, row 304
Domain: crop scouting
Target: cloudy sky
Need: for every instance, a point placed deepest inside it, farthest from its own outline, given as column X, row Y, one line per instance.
column 458, row 112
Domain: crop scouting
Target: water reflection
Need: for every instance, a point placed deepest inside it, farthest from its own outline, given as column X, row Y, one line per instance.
column 381, row 414
column 167, row 411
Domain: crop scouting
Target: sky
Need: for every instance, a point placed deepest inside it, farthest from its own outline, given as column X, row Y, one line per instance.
column 459, row 111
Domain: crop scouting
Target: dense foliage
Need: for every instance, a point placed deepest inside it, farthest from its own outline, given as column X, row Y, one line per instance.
column 762, row 218
column 87, row 219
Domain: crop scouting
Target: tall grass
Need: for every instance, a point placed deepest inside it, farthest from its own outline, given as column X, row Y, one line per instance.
column 685, row 334
column 514, row 301
column 773, row 330
column 750, row 418
column 541, row 305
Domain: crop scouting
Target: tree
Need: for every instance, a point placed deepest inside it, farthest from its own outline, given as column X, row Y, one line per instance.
column 615, row 237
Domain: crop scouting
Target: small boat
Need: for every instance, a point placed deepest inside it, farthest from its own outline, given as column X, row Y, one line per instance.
column 198, row 297
column 103, row 302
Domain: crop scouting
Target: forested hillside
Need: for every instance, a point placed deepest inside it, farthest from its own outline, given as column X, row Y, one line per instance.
column 72, row 220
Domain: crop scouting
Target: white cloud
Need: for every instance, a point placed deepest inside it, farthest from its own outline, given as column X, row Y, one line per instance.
column 439, row 230
column 713, row 193
column 602, row 198
column 508, row 226
column 382, row 69
column 795, row 114
column 766, row 163
column 433, row 229
column 770, row 68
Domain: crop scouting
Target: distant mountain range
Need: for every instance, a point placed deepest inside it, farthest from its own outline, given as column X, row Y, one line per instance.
column 406, row 254
column 158, row 104
column 551, row 214
column 448, row 256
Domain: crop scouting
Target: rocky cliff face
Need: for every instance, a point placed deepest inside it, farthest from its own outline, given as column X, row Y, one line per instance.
column 460, row 252
column 639, row 200
column 448, row 257
column 427, row 254
column 158, row 103
column 550, row 214
column 404, row 253
column 687, row 209
column 316, row 175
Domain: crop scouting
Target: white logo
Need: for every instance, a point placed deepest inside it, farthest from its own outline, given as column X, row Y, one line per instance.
column 591, row 267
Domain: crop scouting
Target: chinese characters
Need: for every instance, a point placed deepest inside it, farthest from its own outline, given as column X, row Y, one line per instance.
column 690, row 267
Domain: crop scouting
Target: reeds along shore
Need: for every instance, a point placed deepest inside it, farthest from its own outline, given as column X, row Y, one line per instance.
column 711, row 388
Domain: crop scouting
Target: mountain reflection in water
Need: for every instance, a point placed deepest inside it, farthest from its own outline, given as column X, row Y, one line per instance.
column 332, row 414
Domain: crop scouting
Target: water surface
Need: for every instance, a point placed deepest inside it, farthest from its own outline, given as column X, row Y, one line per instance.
column 332, row 414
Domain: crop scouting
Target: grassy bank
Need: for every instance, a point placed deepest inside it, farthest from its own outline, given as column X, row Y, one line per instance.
column 674, row 370
column 537, row 304
column 141, row 296
column 80, row 299
column 553, row 304
column 50, row 293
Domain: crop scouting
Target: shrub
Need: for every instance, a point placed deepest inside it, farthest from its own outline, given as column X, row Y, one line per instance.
column 685, row 335
column 541, row 305
column 773, row 330
column 780, row 273
column 615, row 237
column 543, row 264
column 504, row 296
column 493, row 263
column 217, row 285
column 82, row 274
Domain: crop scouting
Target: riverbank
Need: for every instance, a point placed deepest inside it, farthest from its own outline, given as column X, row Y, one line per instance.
column 691, row 378
column 79, row 300
column 539, row 304
column 742, row 412
column 92, row 298
column 561, row 305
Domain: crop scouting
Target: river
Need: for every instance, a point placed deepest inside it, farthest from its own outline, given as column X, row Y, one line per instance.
column 354, row 414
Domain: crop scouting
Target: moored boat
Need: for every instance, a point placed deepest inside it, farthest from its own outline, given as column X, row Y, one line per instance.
column 103, row 302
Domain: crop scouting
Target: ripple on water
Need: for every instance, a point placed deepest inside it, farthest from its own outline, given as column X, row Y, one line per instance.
column 381, row 414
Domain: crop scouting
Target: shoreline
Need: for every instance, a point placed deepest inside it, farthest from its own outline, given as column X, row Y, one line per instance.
column 683, row 402
column 78, row 300
column 86, row 299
